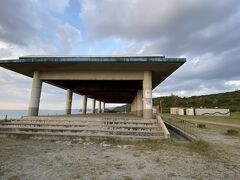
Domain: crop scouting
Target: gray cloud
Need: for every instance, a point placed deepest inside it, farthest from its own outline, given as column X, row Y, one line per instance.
column 205, row 32
column 28, row 27
column 27, row 24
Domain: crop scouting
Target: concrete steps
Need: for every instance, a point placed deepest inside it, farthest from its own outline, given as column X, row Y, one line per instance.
column 83, row 126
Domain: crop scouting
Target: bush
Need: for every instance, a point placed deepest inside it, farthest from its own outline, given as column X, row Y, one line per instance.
column 232, row 132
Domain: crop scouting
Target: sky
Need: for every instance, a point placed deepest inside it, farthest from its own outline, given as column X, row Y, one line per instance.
column 206, row 32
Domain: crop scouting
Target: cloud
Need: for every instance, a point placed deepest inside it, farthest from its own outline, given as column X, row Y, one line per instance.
column 29, row 26
column 56, row 5
column 205, row 32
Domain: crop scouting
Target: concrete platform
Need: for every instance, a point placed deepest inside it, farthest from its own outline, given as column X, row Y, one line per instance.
column 119, row 126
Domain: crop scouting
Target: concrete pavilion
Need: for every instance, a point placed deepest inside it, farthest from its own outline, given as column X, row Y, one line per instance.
column 107, row 79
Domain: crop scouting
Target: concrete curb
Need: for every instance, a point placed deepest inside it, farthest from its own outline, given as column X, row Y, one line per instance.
column 164, row 128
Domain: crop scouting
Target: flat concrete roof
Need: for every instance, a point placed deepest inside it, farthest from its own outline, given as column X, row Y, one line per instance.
column 160, row 66
column 97, row 56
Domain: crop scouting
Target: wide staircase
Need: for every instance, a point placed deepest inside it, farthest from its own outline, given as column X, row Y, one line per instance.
column 104, row 126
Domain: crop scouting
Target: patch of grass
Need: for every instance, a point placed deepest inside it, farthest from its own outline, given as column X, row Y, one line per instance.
column 232, row 132
column 58, row 158
column 1, row 173
column 199, row 146
column 127, row 178
column 157, row 160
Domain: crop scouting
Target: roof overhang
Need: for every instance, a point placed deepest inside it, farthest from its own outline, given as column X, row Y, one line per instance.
column 160, row 66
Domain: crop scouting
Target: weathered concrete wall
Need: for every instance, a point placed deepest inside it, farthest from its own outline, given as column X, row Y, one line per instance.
column 177, row 110
column 173, row 110
column 212, row 112
column 181, row 111
column 190, row 111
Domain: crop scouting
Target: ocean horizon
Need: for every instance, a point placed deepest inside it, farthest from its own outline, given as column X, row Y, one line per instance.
column 18, row 113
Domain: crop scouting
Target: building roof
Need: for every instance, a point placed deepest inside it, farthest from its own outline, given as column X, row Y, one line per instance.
column 160, row 66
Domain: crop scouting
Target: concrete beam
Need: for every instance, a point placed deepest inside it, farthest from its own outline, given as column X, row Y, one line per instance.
column 33, row 108
column 68, row 102
column 147, row 95
column 91, row 75
column 84, row 104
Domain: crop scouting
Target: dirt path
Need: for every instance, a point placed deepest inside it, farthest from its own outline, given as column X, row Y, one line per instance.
column 216, row 123
column 41, row 159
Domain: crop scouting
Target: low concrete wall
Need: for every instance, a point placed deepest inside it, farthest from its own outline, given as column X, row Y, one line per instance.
column 181, row 132
column 173, row 110
column 181, row 111
column 212, row 112
column 177, row 110
column 164, row 128
column 190, row 111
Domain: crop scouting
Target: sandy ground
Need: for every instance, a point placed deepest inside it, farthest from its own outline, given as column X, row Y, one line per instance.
column 45, row 159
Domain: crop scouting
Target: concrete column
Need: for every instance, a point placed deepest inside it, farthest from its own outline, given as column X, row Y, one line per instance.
column 139, row 103
column 35, row 95
column 147, row 95
column 134, row 106
column 93, row 105
column 84, row 104
column 99, row 106
column 68, row 102
column 103, row 107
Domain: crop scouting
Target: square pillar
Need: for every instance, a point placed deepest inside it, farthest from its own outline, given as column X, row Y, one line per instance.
column 139, row 103
column 68, row 102
column 33, row 108
column 99, row 106
column 84, row 104
column 147, row 95
column 103, row 107
column 134, row 106
column 93, row 105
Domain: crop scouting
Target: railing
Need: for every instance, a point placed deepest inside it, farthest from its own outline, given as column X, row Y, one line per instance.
column 182, row 124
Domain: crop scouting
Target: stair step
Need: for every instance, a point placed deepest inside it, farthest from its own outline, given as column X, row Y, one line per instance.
column 94, row 136
column 78, row 130
column 79, row 124
column 84, row 122
column 142, row 121
column 115, row 126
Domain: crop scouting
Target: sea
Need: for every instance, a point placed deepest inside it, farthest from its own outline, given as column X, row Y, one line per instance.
column 15, row 114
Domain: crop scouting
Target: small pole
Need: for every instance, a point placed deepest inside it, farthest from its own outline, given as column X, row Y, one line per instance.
column 6, row 117
column 125, row 108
